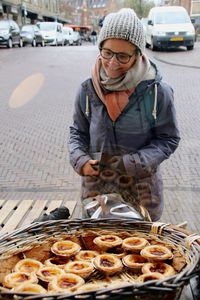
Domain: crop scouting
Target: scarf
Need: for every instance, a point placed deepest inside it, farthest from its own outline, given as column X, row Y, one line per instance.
column 115, row 92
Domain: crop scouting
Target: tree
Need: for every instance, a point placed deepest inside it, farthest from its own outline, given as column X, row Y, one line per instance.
column 141, row 7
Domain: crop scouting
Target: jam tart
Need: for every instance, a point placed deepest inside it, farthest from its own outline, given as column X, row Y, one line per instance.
column 16, row 278
column 107, row 241
column 86, row 255
column 68, row 282
column 134, row 261
column 56, row 261
column 81, row 268
column 65, row 248
column 134, row 244
column 156, row 253
column 28, row 265
column 30, row 288
column 48, row 273
column 108, row 263
column 150, row 276
column 159, row 267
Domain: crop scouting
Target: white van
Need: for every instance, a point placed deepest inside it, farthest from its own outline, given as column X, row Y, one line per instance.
column 169, row 26
column 68, row 35
column 52, row 33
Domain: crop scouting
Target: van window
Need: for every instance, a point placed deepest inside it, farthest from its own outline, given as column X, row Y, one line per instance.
column 171, row 17
column 46, row 26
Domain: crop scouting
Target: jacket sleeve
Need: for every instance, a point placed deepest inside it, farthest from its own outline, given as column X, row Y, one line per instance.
column 79, row 139
column 165, row 138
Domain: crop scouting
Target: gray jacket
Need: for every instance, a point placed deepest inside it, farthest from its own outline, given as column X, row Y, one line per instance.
column 144, row 135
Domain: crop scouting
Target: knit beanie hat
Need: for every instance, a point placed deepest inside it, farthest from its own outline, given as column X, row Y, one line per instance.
column 124, row 25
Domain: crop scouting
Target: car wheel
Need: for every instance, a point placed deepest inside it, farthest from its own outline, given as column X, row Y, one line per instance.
column 20, row 43
column 34, row 43
column 153, row 47
column 190, row 47
column 10, row 43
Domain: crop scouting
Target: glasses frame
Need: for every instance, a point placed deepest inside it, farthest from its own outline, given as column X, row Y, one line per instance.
column 116, row 55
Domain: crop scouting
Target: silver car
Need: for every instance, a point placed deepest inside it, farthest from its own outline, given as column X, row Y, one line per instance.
column 10, row 34
column 31, row 35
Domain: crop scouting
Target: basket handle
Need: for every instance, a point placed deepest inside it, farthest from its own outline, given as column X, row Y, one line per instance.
column 190, row 238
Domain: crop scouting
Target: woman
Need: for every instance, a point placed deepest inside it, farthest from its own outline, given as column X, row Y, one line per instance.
column 125, row 110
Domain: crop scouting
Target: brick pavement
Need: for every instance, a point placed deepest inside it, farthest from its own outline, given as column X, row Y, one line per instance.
column 33, row 155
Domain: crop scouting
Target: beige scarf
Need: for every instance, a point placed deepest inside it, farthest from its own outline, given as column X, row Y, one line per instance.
column 114, row 93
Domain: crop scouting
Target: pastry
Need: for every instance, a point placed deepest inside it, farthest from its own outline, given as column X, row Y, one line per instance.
column 134, row 244
column 30, row 288
column 107, row 241
column 156, row 253
column 134, row 261
column 66, row 283
column 108, row 263
column 86, row 255
column 125, row 181
column 28, row 265
column 65, row 248
column 91, row 181
column 56, row 261
column 159, row 267
column 108, row 175
column 81, row 268
column 16, row 278
column 150, row 276
column 48, row 273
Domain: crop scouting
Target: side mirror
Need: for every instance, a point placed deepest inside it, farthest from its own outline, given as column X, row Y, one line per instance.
column 150, row 22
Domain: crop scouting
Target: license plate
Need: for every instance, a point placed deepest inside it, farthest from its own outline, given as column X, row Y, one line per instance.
column 176, row 39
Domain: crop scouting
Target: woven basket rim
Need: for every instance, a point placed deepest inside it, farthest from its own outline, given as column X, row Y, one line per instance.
column 39, row 231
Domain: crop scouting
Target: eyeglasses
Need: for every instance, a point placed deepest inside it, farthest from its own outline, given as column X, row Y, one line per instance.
column 123, row 58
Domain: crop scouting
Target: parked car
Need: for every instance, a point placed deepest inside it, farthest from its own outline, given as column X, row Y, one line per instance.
column 169, row 26
column 77, row 40
column 195, row 18
column 68, row 35
column 10, row 34
column 52, row 33
column 144, row 23
column 31, row 35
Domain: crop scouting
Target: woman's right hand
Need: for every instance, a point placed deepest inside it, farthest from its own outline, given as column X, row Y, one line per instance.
column 90, row 168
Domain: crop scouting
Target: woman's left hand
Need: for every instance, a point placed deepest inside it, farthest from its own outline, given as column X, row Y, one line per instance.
column 90, row 168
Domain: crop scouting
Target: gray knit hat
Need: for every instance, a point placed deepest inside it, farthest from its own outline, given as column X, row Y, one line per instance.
column 124, row 25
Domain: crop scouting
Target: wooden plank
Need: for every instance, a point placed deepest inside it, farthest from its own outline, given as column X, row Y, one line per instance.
column 57, row 203
column 53, row 204
column 7, row 208
column 35, row 212
column 17, row 215
column 2, row 201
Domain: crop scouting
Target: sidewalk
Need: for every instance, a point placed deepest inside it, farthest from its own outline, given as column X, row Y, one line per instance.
column 34, row 163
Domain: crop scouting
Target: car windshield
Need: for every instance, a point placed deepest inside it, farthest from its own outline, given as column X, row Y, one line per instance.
column 171, row 18
column 4, row 25
column 27, row 28
column 47, row 26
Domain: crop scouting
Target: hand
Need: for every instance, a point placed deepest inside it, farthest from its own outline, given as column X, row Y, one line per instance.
column 90, row 168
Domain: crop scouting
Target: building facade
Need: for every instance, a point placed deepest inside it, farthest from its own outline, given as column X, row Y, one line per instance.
column 29, row 11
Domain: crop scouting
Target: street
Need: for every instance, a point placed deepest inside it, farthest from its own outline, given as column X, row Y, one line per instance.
column 38, row 87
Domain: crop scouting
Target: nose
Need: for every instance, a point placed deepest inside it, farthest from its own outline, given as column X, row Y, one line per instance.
column 113, row 61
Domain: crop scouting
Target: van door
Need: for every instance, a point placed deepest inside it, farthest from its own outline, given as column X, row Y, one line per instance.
column 59, row 33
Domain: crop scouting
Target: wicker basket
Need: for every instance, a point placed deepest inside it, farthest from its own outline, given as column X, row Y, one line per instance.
column 167, row 289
